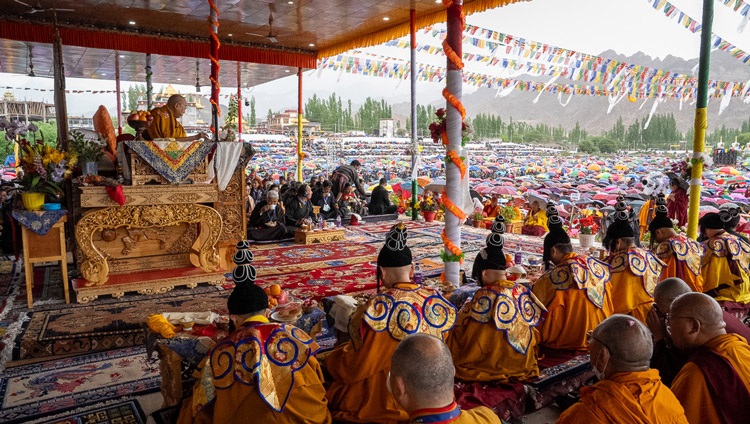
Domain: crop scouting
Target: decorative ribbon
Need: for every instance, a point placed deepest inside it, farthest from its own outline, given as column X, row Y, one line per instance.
column 213, row 55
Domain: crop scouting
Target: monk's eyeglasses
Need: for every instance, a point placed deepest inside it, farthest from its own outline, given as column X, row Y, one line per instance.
column 658, row 311
column 590, row 336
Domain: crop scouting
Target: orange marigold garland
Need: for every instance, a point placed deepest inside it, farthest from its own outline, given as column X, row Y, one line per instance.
column 438, row 132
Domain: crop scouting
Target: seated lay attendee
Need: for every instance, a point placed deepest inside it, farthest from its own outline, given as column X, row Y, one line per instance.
column 349, row 202
column 635, row 271
column 495, row 336
column 681, row 255
column 262, row 372
column 628, row 391
column 421, row 380
column 380, row 200
column 714, row 385
column 266, row 222
column 165, row 123
column 360, row 366
column 576, row 291
column 726, row 263
column 325, row 199
column 299, row 208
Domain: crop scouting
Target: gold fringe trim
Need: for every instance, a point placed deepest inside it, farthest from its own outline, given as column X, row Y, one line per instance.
column 402, row 29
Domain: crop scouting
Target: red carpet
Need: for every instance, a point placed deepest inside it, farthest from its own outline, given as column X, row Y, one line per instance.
column 299, row 258
column 322, row 282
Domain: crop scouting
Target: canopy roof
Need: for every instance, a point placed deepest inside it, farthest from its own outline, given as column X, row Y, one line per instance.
column 177, row 31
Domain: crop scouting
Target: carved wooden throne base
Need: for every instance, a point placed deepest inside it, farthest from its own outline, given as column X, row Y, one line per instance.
column 148, row 282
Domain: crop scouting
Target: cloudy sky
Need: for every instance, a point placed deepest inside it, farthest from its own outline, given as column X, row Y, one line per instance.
column 588, row 26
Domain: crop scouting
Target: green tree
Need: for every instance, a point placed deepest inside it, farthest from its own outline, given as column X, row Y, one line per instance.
column 587, row 146
column 230, row 121
column 253, row 118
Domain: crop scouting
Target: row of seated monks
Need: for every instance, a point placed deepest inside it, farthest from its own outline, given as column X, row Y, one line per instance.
column 663, row 350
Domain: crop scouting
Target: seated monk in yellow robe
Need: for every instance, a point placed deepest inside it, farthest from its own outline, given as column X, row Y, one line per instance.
column 495, row 336
column 535, row 223
column 165, row 123
column 421, row 380
column 714, row 385
column 726, row 261
column 681, row 255
column 360, row 367
column 635, row 271
column 628, row 390
column 262, row 372
column 575, row 291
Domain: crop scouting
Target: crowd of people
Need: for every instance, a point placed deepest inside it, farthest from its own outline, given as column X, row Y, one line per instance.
column 275, row 211
column 664, row 328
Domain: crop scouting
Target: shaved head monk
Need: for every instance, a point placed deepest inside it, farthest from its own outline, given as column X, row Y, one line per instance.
column 165, row 123
column 421, row 381
column 628, row 390
column 714, row 385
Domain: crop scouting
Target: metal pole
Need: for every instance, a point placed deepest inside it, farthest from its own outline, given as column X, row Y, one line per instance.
column 61, row 107
column 701, row 120
column 413, row 129
column 117, row 87
column 239, row 102
column 149, row 86
column 299, row 124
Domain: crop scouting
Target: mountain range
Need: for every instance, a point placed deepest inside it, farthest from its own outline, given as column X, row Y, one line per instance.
column 591, row 111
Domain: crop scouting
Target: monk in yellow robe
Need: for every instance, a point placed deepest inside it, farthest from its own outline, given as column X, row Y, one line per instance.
column 165, row 123
column 261, row 370
column 360, row 367
column 495, row 336
column 576, row 291
column 421, row 380
column 635, row 271
column 714, row 385
column 726, row 261
column 535, row 223
column 681, row 255
column 628, row 391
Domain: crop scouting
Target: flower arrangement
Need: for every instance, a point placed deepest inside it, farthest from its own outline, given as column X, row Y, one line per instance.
column 509, row 213
column 477, row 215
column 84, row 150
column 428, row 204
column 587, row 225
column 439, row 126
column 44, row 167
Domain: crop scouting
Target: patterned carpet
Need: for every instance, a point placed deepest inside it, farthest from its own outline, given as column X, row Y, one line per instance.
column 39, row 390
column 299, row 258
column 319, row 283
column 126, row 412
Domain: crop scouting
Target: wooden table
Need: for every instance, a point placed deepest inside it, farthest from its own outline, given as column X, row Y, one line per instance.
column 319, row 236
column 47, row 248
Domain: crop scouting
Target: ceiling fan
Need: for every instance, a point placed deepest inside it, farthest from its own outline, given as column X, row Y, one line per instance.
column 39, row 8
column 270, row 36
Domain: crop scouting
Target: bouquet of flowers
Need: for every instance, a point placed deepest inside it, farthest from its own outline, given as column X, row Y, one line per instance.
column 44, row 167
column 587, row 225
column 439, row 126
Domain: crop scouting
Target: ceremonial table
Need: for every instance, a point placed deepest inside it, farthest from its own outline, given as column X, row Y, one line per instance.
column 174, row 227
column 319, row 236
